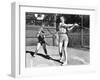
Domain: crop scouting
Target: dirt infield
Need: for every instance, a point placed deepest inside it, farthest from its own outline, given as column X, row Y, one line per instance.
column 75, row 57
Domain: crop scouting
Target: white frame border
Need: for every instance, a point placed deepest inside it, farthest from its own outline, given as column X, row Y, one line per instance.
column 16, row 66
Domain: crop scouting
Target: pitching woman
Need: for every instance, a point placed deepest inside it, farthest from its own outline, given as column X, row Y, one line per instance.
column 63, row 38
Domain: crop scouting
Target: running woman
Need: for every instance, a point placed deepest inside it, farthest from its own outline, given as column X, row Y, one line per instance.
column 63, row 38
column 41, row 42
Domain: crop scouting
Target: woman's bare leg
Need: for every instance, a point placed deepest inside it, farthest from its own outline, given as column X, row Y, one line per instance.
column 65, row 51
column 44, row 48
column 60, row 49
column 37, row 48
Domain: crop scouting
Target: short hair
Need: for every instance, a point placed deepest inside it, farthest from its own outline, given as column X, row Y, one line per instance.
column 63, row 17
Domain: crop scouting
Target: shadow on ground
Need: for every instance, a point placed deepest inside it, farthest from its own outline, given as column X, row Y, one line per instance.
column 42, row 55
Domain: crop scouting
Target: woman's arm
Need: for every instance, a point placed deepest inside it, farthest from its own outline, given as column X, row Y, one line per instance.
column 68, row 25
column 73, row 26
column 65, row 25
column 38, row 33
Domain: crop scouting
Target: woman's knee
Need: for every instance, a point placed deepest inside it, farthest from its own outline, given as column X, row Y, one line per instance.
column 60, row 44
column 44, row 46
column 38, row 46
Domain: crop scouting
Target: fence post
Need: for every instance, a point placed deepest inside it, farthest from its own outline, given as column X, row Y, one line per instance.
column 82, row 31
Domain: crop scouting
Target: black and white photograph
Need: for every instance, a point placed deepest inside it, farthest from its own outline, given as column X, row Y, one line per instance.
column 52, row 40
column 56, row 39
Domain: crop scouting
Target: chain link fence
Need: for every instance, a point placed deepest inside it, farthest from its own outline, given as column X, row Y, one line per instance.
column 78, row 37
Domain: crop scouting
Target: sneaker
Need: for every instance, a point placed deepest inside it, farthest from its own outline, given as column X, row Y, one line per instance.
column 34, row 55
column 65, row 63
column 48, row 57
column 61, row 59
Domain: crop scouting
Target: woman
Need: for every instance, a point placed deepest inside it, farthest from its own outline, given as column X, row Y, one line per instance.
column 63, row 38
column 41, row 42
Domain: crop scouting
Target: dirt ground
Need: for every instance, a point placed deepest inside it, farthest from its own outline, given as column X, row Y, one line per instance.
column 74, row 57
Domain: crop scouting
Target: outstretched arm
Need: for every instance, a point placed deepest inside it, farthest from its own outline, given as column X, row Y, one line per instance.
column 68, row 25
column 38, row 33
column 73, row 26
